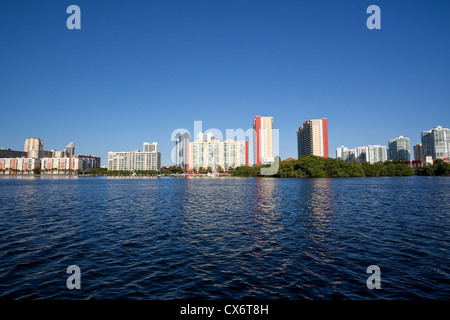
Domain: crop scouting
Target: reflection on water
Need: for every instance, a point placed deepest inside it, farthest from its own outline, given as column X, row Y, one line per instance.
column 318, row 206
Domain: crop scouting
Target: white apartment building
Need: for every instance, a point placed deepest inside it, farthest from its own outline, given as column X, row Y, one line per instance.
column 216, row 153
column 150, row 159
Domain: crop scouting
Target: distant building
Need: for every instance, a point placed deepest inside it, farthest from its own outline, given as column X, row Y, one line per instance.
column 436, row 142
column 70, row 149
column 216, row 153
column 361, row 154
column 262, row 140
column 136, row 160
column 8, row 153
column 400, row 149
column 346, row 154
column 418, row 152
column 377, row 153
column 371, row 154
column 312, row 138
column 150, row 147
column 181, row 147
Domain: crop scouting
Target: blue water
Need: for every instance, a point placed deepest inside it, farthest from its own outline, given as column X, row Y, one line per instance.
column 224, row 238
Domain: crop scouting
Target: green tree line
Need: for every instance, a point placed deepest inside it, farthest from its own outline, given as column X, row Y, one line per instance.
column 319, row 167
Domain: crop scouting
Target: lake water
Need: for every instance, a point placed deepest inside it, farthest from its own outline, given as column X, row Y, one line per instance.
column 224, row 238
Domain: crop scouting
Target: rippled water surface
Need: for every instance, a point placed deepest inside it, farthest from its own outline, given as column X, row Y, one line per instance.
column 224, row 238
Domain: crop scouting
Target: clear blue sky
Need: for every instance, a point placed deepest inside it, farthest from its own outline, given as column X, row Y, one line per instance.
column 137, row 70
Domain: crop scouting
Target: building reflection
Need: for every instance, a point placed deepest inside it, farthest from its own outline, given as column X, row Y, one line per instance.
column 317, row 207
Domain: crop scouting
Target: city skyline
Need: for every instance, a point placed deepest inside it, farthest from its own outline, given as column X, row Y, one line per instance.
column 135, row 73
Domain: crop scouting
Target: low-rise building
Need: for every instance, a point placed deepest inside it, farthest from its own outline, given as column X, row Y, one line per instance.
column 20, row 164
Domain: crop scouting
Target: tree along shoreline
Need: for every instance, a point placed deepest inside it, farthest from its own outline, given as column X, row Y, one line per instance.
column 319, row 167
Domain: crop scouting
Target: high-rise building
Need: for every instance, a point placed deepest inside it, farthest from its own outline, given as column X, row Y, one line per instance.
column 400, row 149
column 436, row 142
column 136, row 160
column 216, row 153
column 262, row 140
column 418, row 152
column 34, row 147
column 181, row 147
column 312, row 138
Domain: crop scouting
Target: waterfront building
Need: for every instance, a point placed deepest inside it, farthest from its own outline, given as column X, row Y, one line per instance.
column 136, row 160
column 436, row 142
column 181, row 146
column 400, row 149
column 21, row 164
column 262, row 140
column 65, row 163
column 8, row 153
column 76, row 162
column 418, row 152
column 216, row 153
column 312, row 138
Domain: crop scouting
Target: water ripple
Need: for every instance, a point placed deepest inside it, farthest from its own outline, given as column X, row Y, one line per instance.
column 230, row 238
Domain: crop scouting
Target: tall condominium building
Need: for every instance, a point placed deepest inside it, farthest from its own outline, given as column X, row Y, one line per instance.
column 418, row 152
column 216, row 153
column 263, row 140
column 180, row 150
column 436, row 142
column 34, row 147
column 136, row 160
column 400, row 149
column 312, row 138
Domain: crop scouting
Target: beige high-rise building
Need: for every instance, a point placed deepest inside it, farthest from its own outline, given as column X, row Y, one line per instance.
column 34, row 147
column 312, row 138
